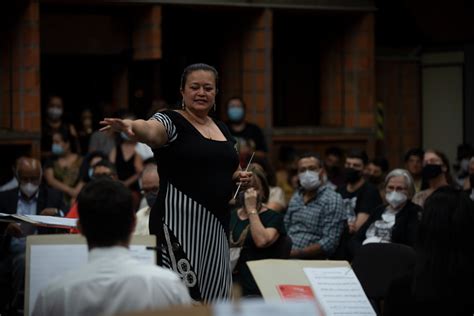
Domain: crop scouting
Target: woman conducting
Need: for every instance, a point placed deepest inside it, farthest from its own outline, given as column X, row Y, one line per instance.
column 197, row 165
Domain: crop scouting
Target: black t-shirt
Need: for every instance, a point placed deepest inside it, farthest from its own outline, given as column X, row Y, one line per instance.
column 252, row 134
column 365, row 199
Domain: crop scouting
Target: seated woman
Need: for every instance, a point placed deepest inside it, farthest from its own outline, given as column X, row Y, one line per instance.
column 397, row 221
column 442, row 282
column 255, row 228
column 62, row 171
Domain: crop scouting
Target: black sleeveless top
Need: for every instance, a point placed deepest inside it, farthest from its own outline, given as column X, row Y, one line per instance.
column 193, row 202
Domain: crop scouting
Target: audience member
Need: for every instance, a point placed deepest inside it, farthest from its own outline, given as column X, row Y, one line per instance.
column 469, row 182
column 128, row 163
column 62, row 171
column 435, row 174
column 32, row 197
column 254, row 229
column 85, row 130
column 376, row 170
column 360, row 196
column 54, row 123
column 276, row 200
column 315, row 216
column 397, row 221
column 333, row 159
column 249, row 136
column 414, row 165
column 461, row 167
column 102, row 141
column 112, row 281
column 150, row 184
column 286, row 174
column 442, row 282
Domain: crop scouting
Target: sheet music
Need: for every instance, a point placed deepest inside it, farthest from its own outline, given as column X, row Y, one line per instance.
column 338, row 291
column 53, row 220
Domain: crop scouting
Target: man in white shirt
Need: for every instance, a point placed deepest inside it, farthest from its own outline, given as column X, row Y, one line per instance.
column 112, row 281
column 150, row 183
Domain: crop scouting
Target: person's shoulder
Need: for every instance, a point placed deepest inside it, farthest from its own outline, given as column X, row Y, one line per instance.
column 152, row 271
column 9, row 192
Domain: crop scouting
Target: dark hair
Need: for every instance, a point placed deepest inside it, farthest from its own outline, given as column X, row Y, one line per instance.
column 236, row 98
column 445, row 251
column 105, row 212
column 107, row 164
column 267, row 168
column 381, row 162
column 86, row 163
column 65, row 136
column 196, row 67
column 310, row 154
column 418, row 152
column 334, row 151
column 358, row 154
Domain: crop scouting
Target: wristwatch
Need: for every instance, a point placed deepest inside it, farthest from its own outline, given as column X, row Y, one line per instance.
column 252, row 213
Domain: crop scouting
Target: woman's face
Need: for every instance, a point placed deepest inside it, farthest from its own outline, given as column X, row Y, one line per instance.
column 397, row 184
column 199, row 91
column 57, row 139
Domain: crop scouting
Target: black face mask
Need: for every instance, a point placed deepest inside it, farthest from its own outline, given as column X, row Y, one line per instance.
column 431, row 171
column 352, row 175
column 471, row 180
column 151, row 198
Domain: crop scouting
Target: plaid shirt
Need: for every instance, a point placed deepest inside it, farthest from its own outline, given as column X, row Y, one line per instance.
column 320, row 221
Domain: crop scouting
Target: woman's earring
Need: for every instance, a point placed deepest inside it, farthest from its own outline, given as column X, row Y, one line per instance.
column 182, row 105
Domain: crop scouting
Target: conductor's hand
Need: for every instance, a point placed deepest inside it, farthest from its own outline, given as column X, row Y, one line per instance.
column 244, row 178
column 118, row 125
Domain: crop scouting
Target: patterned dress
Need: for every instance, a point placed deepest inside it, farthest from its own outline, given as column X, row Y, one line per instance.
column 191, row 215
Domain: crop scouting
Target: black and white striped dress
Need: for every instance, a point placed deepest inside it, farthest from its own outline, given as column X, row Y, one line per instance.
column 191, row 216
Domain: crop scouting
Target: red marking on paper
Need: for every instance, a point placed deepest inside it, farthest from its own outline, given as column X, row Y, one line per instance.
column 295, row 292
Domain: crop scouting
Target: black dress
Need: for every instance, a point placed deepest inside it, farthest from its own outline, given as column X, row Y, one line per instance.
column 191, row 215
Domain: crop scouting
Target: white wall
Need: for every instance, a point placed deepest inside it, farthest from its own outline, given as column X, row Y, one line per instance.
column 442, row 98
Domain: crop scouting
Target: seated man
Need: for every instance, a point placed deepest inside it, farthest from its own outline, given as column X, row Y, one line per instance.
column 32, row 197
column 112, row 281
column 315, row 216
column 150, row 186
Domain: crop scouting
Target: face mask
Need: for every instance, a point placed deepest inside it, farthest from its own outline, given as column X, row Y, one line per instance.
column 57, row 149
column 431, row 171
column 309, row 180
column 395, row 199
column 90, row 172
column 151, row 198
column 235, row 114
column 352, row 175
column 29, row 189
column 55, row 113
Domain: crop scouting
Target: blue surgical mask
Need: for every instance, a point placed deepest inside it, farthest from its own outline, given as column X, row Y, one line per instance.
column 90, row 172
column 235, row 114
column 57, row 149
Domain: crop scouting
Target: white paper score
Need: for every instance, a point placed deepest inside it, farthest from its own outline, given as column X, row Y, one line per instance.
column 338, row 291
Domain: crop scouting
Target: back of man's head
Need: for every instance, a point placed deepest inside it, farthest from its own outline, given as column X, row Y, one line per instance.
column 106, row 216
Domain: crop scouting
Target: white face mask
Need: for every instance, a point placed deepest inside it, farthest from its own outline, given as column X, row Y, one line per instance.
column 395, row 199
column 55, row 113
column 29, row 189
column 309, row 180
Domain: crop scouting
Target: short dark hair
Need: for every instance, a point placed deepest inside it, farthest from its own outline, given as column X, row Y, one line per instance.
column 418, row 152
column 334, row 151
column 105, row 212
column 381, row 162
column 195, row 67
column 65, row 136
column 107, row 164
column 236, row 98
column 358, row 154
column 310, row 154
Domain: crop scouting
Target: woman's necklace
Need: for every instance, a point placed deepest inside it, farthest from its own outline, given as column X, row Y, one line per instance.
column 206, row 124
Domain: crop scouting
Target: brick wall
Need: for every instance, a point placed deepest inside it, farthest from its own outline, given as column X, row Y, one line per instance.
column 398, row 89
column 347, row 75
column 147, row 34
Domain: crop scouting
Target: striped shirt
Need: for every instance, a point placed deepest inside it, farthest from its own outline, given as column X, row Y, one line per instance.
column 319, row 221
